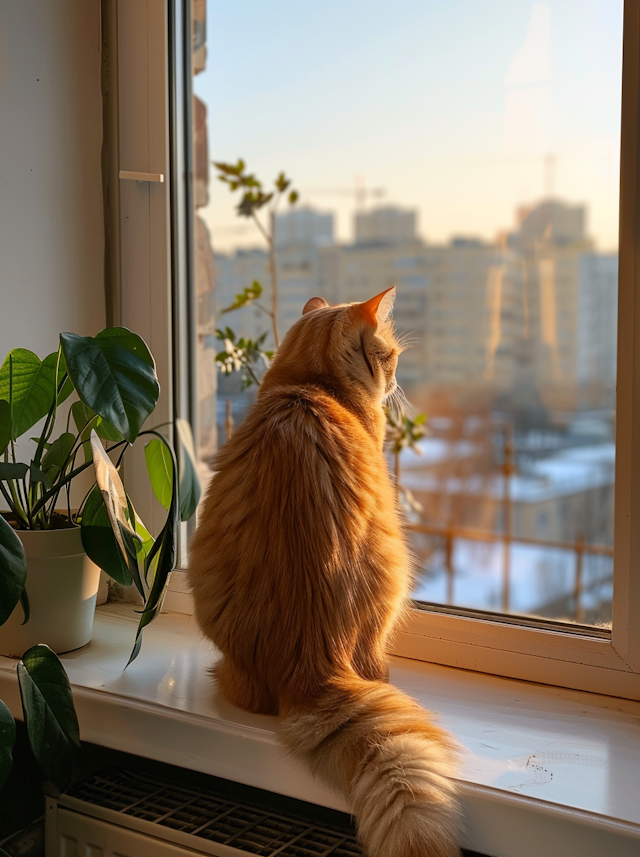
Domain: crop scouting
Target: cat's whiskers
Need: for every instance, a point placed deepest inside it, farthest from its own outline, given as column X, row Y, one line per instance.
column 406, row 340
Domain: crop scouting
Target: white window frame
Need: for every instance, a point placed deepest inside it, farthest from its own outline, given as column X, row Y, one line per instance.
column 549, row 653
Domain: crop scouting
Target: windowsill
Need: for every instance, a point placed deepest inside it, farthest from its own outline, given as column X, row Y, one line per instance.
column 542, row 767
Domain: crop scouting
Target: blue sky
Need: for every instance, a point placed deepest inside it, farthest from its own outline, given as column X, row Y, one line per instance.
column 450, row 105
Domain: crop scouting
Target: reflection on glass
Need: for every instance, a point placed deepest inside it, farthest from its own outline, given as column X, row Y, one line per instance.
column 204, row 278
column 489, row 134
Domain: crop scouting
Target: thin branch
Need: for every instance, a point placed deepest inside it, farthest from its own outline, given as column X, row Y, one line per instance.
column 252, row 373
column 264, row 309
column 265, row 234
column 274, row 279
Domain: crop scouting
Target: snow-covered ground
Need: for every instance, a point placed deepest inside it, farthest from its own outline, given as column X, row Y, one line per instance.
column 564, row 472
column 538, row 576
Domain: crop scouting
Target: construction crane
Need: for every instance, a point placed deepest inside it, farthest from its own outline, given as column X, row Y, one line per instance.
column 360, row 192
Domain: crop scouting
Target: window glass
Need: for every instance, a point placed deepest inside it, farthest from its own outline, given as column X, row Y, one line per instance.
column 468, row 153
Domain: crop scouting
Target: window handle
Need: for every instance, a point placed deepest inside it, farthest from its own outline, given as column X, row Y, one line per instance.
column 141, row 177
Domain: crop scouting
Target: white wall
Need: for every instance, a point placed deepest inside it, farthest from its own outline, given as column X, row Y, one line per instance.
column 51, row 236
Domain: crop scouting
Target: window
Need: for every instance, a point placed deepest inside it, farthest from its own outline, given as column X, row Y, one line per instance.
column 519, row 572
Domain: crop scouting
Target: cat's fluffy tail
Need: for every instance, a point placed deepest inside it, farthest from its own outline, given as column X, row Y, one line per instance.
column 379, row 748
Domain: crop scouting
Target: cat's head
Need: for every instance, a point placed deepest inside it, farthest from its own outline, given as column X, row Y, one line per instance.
column 351, row 346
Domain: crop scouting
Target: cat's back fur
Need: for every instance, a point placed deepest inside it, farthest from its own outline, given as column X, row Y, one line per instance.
column 299, row 571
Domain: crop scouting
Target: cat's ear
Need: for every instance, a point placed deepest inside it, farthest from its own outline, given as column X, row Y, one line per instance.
column 378, row 309
column 314, row 303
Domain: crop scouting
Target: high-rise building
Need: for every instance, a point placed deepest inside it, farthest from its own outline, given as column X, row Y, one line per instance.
column 299, row 234
column 387, row 225
column 527, row 323
column 303, row 227
column 597, row 323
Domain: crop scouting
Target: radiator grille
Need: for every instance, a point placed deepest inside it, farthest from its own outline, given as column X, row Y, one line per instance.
column 245, row 826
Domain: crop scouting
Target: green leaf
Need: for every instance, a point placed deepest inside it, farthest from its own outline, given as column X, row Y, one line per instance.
column 5, row 424
column 163, row 556
column 106, row 431
column 118, row 509
column 160, row 467
column 36, row 475
column 114, row 375
column 86, row 419
column 26, row 607
column 29, row 384
column 282, row 183
column 293, row 197
column 245, row 298
column 99, row 541
column 125, row 338
column 229, row 169
column 57, row 456
column 50, row 716
column 13, row 569
column 7, row 740
column 13, row 471
column 189, row 489
column 82, row 416
column 146, row 539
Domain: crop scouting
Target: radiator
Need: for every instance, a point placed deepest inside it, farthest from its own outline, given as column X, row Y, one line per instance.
column 123, row 813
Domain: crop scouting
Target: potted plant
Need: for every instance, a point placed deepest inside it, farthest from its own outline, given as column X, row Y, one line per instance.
column 51, row 725
column 50, row 553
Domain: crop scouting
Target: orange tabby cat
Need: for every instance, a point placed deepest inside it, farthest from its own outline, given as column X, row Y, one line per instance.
column 299, row 572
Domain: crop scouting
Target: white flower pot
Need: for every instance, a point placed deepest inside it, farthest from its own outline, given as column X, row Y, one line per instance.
column 62, row 584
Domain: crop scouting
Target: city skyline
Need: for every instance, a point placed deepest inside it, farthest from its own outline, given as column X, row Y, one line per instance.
column 534, row 312
column 461, row 129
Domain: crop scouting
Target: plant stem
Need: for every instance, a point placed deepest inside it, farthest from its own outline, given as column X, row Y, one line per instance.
column 262, row 308
column 48, row 494
column 13, row 506
column 269, row 238
column 274, row 277
column 265, row 234
column 48, row 427
column 16, row 501
column 252, row 373
column 228, row 422
column 22, row 490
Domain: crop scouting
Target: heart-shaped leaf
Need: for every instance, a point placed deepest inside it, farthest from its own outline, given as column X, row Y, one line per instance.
column 118, row 509
column 5, row 425
column 13, row 471
column 29, row 384
column 122, row 337
column 162, row 558
column 106, row 431
column 82, row 416
column 160, row 467
column 189, row 488
column 57, row 456
column 50, row 716
column 113, row 375
column 26, row 607
column 7, row 740
column 86, row 419
column 36, row 475
column 99, row 541
column 13, row 569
